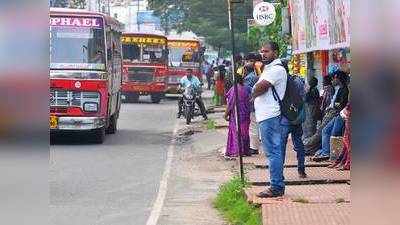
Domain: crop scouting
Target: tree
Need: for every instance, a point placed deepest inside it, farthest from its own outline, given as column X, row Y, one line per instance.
column 206, row 18
column 59, row 3
column 78, row 4
column 272, row 32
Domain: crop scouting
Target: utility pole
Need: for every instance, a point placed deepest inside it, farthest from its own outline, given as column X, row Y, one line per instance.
column 235, row 88
column 137, row 15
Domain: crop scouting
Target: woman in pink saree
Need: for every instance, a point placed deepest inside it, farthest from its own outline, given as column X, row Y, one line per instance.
column 244, row 95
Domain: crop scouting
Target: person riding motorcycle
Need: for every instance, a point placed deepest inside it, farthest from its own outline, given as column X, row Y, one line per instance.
column 185, row 81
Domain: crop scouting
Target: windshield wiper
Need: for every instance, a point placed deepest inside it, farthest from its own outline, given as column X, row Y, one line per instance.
column 84, row 47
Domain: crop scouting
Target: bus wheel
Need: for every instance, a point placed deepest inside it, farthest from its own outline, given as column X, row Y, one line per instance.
column 155, row 98
column 99, row 135
column 112, row 127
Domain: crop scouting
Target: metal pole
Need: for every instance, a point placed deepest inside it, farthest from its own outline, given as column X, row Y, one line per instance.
column 108, row 8
column 237, row 105
column 137, row 16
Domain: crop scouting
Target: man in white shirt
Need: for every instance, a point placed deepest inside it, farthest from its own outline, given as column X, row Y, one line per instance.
column 268, row 113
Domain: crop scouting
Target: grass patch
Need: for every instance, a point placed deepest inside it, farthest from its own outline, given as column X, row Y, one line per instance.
column 301, row 200
column 232, row 204
column 210, row 124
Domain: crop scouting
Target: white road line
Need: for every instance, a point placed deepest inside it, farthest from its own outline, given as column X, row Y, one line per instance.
column 162, row 191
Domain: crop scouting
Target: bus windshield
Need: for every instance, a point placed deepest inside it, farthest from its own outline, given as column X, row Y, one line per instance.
column 77, row 47
column 183, row 54
column 144, row 50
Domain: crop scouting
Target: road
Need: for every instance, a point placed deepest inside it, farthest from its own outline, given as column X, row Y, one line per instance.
column 117, row 182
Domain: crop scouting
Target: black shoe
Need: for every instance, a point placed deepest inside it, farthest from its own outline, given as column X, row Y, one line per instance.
column 269, row 193
column 320, row 158
column 302, row 175
column 205, row 117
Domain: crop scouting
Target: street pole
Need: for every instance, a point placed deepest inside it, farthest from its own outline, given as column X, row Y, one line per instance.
column 237, row 105
column 137, row 15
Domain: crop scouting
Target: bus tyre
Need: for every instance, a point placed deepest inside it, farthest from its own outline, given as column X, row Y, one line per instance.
column 112, row 127
column 99, row 135
column 155, row 98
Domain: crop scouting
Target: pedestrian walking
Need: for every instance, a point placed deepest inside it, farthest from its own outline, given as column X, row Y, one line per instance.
column 232, row 148
column 219, row 89
column 267, row 111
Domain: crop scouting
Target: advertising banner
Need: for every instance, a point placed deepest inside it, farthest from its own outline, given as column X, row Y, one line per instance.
column 297, row 12
column 319, row 24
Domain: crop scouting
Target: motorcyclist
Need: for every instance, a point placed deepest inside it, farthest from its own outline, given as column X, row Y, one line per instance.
column 186, row 81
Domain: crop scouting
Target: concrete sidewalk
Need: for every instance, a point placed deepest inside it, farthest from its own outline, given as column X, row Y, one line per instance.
column 322, row 198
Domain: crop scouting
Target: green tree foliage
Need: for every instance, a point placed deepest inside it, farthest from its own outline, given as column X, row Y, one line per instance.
column 78, row 4
column 273, row 32
column 206, row 18
column 59, row 3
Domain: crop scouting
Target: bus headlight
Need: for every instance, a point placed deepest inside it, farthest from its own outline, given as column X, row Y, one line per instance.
column 90, row 107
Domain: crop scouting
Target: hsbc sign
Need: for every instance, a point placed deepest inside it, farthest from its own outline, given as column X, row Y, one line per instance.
column 264, row 13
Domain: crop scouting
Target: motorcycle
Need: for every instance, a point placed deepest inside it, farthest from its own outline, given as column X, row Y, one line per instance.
column 190, row 109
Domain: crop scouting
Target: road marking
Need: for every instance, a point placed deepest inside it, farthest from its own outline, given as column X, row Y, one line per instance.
column 162, row 191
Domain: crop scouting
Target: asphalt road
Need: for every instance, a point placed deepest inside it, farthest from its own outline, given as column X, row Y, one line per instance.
column 117, row 182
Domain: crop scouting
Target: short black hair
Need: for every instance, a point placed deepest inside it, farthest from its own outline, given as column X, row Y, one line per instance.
column 238, row 58
column 273, row 45
column 258, row 57
column 342, row 76
column 189, row 70
column 250, row 56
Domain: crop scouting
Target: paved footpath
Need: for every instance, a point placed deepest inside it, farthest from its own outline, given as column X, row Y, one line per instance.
column 322, row 198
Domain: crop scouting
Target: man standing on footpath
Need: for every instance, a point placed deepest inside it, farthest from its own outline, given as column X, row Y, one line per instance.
column 268, row 113
column 250, row 79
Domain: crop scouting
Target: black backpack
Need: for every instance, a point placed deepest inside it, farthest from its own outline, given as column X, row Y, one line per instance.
column 292, row 104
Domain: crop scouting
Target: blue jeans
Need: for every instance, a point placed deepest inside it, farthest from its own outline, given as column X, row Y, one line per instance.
column 271, row 138
column 297, row 133
column 335, row 127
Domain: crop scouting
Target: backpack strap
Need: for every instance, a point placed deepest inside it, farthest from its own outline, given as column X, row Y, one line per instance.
column 275, row 94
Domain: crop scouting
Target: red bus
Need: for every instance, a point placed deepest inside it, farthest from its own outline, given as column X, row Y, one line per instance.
column 183, row 54
column 144, row 66
column 85, row 72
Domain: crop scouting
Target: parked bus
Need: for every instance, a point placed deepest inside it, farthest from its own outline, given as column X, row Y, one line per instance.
column 85, row 72
column 183, row 54
column 145, row 66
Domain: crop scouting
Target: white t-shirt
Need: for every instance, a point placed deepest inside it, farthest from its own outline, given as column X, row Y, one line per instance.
column 265, row 105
